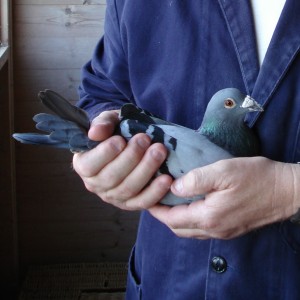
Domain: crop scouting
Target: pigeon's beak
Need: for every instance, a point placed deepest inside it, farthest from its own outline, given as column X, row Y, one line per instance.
column 251, row 105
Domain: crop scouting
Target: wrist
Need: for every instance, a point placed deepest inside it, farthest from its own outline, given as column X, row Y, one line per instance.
column 295, row 218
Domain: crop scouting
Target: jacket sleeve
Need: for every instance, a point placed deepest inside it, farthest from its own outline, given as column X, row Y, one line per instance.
column 105, row 78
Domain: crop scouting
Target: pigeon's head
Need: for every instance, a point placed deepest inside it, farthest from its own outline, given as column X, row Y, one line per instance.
column 223, row 122
column 230, row 104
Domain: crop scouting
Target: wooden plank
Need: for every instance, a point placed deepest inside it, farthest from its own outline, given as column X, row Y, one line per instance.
column 8, row 209
column 58, row 20
column 47, row 2
column 64, row 82
column 55, row 37
column 53, row 53
column 59, row 221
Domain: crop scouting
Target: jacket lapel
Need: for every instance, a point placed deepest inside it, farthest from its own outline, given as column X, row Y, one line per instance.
column 238, row 16
column 261, row 83
column 283, row 49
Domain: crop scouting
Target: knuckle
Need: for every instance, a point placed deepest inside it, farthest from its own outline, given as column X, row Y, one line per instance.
column 173, row 225
column 137, row 204
column 89, row 187
column 193, row 179
column 76, row 163
column 127, row 191
column 114, row 144
column 109, row 197
column 81, row 168
column 108, row 179
column 210, row 224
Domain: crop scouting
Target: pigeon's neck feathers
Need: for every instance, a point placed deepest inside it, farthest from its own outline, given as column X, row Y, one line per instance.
column 237, row 138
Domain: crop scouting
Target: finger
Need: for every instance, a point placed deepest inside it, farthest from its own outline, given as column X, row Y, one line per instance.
column 198, row 182
column 186, row 216
column 143, row 172
column 174, row 218
column 89, row 164
column 178, row 219
column 153, row 193
column 104, row 125
column 117, row 170
column 192, row 233
column 196, row 221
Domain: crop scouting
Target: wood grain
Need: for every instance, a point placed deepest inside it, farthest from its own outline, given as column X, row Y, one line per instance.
column 59, row 221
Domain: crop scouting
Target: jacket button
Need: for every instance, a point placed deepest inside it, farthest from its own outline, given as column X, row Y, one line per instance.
column 219, row 264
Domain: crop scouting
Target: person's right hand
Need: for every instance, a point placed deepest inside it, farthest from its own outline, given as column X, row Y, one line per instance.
column 118, row 172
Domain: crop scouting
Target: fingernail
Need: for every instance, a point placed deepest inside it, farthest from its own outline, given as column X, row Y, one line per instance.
column 100, row 124
column 178, row 185
column 157, row 155
column 143, row 143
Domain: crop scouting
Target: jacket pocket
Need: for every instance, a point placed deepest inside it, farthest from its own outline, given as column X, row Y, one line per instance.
column 133, row 289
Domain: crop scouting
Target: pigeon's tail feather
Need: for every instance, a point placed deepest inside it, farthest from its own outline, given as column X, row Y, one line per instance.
column 64, row 109
column 39, row 139
column 62, row 134
column 74, row 141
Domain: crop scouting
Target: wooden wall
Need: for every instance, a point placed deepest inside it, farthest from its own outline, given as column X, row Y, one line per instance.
column 8, row 219
column 58, row 220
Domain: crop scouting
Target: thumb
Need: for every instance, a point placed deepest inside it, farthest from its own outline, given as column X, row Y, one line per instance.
column 199, row 181
column 103, row 126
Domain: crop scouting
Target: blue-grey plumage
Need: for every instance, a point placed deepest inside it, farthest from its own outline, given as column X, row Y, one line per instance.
column 222, row 134
column 67, row 129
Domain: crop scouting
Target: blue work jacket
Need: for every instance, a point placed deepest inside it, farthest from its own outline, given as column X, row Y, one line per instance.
column 170, row 57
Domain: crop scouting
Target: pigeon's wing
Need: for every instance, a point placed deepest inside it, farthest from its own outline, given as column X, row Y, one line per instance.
column 64, row 109
column 187, row 148
column 131, row 112
column 62, row 134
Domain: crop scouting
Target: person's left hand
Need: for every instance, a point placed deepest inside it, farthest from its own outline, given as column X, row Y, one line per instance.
column 242, row 194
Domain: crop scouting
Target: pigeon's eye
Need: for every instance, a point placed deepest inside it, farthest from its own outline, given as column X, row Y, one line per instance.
column 229, row 103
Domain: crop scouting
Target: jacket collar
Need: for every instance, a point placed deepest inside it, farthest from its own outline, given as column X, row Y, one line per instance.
column 261, row 83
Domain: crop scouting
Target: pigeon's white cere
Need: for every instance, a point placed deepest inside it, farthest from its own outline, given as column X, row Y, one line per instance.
column 249, row 102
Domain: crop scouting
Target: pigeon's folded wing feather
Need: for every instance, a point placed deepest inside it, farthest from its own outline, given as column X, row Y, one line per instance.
column 132, row 112
column 48, row 123
column 64, row 109
column 187, row 149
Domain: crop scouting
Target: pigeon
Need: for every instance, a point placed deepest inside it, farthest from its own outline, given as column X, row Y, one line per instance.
column 223, row 133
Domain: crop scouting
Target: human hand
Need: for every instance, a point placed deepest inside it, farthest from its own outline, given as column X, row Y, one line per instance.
column 120, row 172
column 242, row 194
